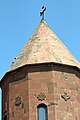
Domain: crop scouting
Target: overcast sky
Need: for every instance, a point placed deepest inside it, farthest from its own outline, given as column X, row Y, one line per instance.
column 19, row 19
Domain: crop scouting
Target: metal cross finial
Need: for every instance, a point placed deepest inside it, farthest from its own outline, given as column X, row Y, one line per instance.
column 42, row 12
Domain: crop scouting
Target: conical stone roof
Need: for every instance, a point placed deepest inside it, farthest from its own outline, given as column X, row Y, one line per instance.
column 43, row 47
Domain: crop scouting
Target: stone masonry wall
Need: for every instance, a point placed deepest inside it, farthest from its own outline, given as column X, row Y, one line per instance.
column 18, row 101
column 56, row 86
column 61, row 86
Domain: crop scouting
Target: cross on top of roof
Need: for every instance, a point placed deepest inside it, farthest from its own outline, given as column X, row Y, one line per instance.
column 42, row 12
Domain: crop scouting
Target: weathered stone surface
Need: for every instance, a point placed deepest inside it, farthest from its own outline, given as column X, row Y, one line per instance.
column 50, row 83
column 44, row 47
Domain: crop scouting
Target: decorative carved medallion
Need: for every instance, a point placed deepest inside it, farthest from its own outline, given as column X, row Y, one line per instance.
column 18, row 101
column 65, row 96
column 41, row 96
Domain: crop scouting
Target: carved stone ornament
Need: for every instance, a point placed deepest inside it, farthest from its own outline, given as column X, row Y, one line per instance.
column 18, row 101
column 65, row 96
column 41, row 96
column 52, row 104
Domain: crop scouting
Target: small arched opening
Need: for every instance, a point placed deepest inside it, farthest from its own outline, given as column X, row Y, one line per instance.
column 5, row 117
column 42, row 112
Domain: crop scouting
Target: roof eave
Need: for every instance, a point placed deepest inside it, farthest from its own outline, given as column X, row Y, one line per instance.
column 9, row 72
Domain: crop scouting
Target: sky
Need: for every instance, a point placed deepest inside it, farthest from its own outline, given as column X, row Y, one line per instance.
column 19, row 19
